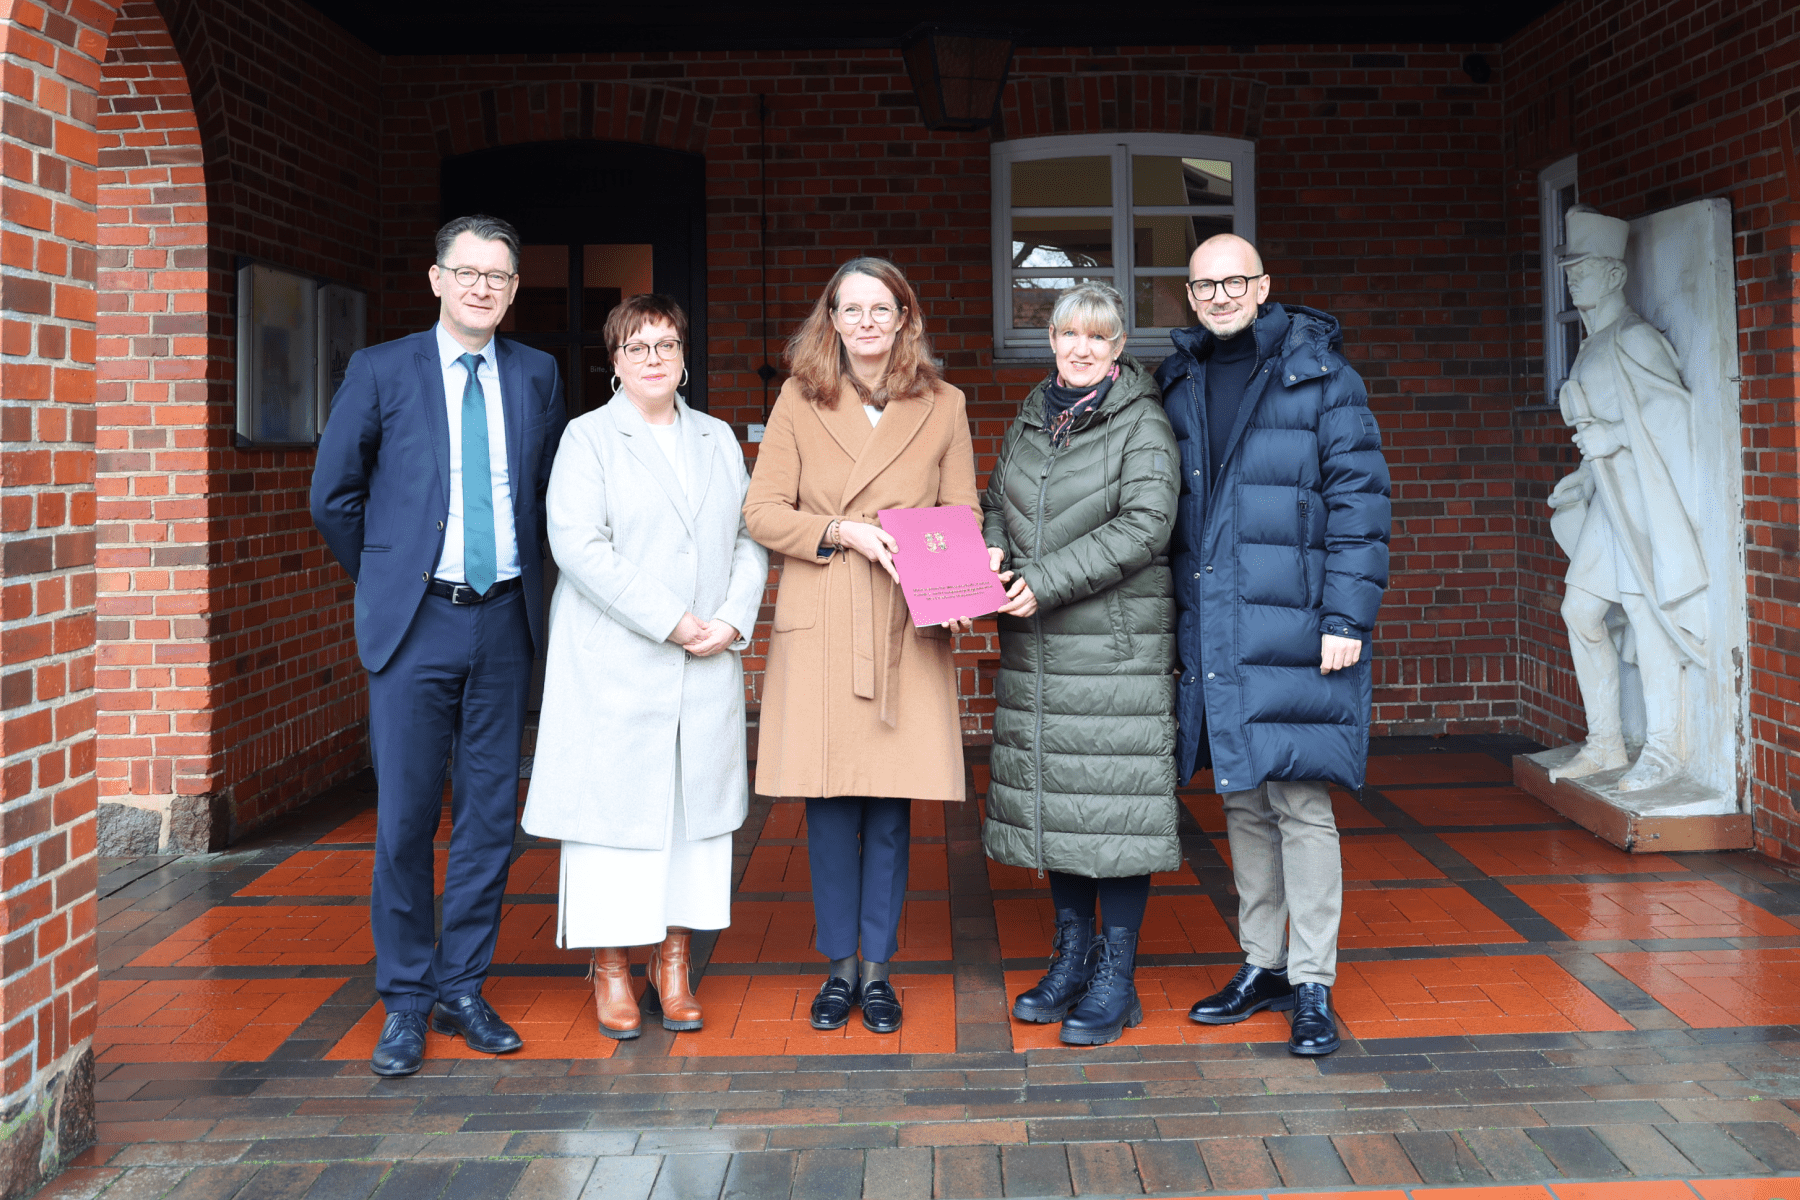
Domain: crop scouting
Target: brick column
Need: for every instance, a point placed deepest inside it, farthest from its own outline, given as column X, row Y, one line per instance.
column 50, row 57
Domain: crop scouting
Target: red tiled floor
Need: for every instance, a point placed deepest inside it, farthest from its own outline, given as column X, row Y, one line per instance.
column 1474, row 806
column 1437, row 768
column 536, row 873
column 783, row 931
column 203, row 1020
column 1003, row 878
column 767, row 1014
column 1166, row 994
column 554, row 1016
column 1379, row 856
column 786, row 869
column 1172, row 925
column 275, row 935
column 1441, row 997
column 528, row 935
column 330, row 873
column 1696, row 908
column 1552, row 852
column 1209, row 810
column 1715, row 989
column 1636, row 1189
column 1446, row 916
column 1742, row 1189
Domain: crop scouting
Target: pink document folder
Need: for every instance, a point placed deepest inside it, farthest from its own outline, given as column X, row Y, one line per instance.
column 943, row 564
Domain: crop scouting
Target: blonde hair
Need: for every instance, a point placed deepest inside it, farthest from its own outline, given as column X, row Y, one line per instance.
column 818, row 361
column 1095, row 307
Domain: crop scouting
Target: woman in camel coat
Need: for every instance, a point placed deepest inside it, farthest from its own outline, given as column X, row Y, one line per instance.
column 859, row 708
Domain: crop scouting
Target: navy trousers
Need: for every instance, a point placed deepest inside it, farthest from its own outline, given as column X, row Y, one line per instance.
column 457, row 683
column 857, row 847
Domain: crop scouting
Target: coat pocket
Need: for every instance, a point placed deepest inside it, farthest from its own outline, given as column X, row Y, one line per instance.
column 1303, row 544
column 797, row 599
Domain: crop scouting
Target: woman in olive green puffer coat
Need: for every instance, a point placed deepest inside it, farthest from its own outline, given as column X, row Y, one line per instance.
column 1079, row 508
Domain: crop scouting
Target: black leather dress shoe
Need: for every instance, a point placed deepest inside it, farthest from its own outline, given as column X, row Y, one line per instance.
column 474, row 1020
column 1250, row 991
column 401, row 1050
column 880, row 1007
column 831, row 1007
column 1314, row 1031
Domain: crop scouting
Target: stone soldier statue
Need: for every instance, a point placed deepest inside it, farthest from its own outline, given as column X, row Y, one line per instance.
column 1627, row 516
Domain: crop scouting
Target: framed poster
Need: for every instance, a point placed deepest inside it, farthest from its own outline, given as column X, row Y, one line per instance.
column 277, row 376
column 343, row 330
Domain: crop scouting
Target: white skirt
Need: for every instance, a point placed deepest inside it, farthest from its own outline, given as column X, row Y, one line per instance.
column 614, row 897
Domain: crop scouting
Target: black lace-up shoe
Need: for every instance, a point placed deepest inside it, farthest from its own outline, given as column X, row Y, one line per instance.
column 880, row 1007
column 1110, row 1005
column 1250, row 991
column 831, row 1007
column 1314, row 1032
column 1067, row 978
column 474, row 1021
column 401, row 1050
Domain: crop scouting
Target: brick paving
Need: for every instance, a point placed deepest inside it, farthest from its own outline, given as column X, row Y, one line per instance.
column 1527, row 1010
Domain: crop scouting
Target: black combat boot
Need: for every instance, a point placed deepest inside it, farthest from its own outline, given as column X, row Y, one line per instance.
column 1110, row 1005
column 1068, row 975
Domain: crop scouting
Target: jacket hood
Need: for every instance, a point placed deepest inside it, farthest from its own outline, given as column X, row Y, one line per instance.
column 1303, row 339
column 1134, row 383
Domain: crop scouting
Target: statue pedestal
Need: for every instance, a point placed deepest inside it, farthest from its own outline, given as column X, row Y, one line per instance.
column 1683, row 815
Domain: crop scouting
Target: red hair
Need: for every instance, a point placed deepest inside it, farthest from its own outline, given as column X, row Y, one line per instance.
column 818, row 361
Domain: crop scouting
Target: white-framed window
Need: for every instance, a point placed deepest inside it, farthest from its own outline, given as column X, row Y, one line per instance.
column 1562, row 324
column 1125, row 209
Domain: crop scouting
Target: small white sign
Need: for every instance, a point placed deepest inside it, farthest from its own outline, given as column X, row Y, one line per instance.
column 754, row 433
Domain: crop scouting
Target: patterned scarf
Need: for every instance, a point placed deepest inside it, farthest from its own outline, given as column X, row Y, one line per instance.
column 1063, row 406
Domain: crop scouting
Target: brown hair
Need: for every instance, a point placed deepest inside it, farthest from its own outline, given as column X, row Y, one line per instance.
column 635, row 312
column 817, row 358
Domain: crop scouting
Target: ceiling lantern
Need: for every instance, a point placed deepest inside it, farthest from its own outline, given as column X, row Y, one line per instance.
column 958, row 74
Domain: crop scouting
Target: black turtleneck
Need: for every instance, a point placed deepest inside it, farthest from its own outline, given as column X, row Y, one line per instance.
column 1227, row 375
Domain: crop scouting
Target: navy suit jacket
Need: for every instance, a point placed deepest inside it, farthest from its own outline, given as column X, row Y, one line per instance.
column 381, row 486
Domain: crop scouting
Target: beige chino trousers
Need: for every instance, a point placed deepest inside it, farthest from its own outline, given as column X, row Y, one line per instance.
column 1290, row 878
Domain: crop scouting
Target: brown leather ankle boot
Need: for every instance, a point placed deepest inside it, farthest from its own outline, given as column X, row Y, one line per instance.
column 615, row 1001
column 669, row 991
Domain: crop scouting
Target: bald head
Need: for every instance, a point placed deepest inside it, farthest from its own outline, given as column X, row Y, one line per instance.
column 1221, row 258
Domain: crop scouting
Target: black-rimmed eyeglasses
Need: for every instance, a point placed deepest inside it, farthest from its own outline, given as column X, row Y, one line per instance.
column 1234, row 285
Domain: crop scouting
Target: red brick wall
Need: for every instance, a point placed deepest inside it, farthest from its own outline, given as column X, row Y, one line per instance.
column 229, row 688
column 1380, row 199
column 49, row 58
column 1666, row 103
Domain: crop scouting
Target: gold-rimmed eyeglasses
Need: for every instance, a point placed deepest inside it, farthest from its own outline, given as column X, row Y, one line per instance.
column 881, row 314
column 638, row 352
column 466, row 277
column 1234, row 285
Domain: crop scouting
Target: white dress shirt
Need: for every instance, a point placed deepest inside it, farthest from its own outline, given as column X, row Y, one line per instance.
column 506, row 540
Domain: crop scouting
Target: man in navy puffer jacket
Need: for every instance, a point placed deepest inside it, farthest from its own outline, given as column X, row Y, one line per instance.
column 1281, row 557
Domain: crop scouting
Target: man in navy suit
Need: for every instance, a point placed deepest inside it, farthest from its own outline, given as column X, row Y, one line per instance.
column 429, row 489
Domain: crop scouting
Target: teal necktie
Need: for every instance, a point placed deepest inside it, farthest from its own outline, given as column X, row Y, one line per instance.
column 479, row 554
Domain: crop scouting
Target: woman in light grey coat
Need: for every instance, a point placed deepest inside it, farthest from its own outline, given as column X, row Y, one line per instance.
column 640, row 765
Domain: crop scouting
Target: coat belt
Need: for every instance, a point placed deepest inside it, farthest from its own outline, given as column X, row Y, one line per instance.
column 875, row 653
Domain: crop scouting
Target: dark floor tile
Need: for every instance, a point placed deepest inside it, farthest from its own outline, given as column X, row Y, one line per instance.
column 416, row 1181
column 1643, row 1150
column 1577, row 1153
column 808, row 1137
column 1488, row 1060
column 1375, row 1159
column 1239, row 1164
column 1172, row 1166
column 1084, row 1091
column 1103, row 1168
column 1091, row 1129
column 213, row 1182
column 1307, row 1161
column 1035, row 1171
column 967, row 1171
column 482, row 1180
column 524, row 1121
column 311, row 1149
column 1601, row 1112
column 281, row 1181
column 1373, row 1064
column 346, row 1181
column 1415, row 1045
column 770, row 1174
column 1508, row 1155
column 1711, row 1149
column 902, row 1173
column 1775, row 1144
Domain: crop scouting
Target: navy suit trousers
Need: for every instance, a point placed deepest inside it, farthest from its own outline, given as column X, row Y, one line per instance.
column 858, row 847
column 456, row 683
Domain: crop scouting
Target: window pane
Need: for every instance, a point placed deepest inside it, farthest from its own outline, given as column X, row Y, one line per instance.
column 542, row 303
column 1062, row 182
column 1032, row 299
column 1168, row 241
column 1062, row 242
column 1161, row 302
column 1158, row 180
column 1571, row 336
